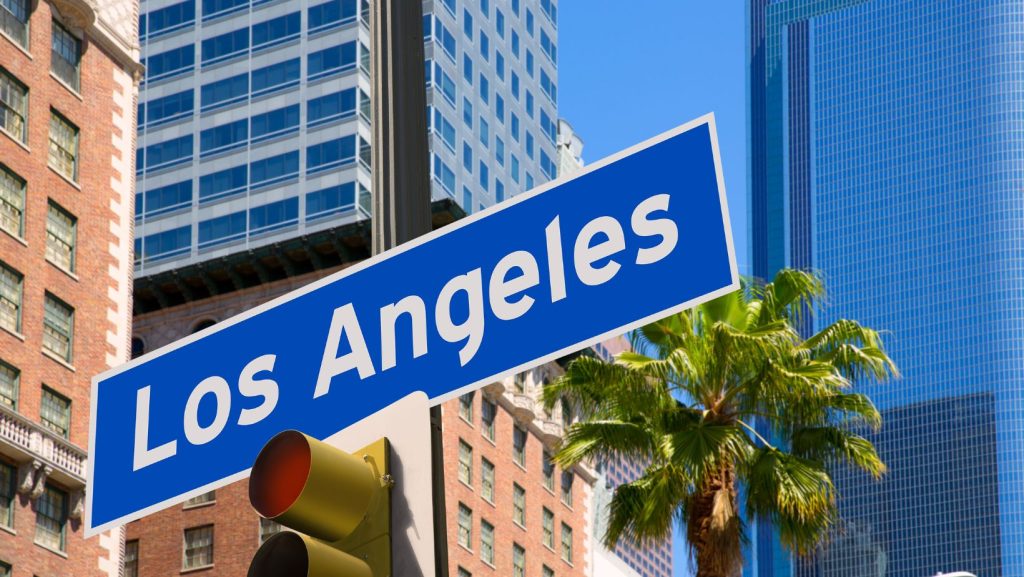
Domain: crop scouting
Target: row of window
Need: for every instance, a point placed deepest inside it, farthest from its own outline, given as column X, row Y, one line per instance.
column 51, row 512
column 320, row 64
column 249, row 223
column 63, row 135
column 61, row 225
column 465, row 539
column 179, row 16
column 65, row 47
column 489, row 412
column 58, row 316
column 54, row 408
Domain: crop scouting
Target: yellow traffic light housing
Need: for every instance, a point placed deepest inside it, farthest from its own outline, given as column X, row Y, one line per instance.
column 340, row 501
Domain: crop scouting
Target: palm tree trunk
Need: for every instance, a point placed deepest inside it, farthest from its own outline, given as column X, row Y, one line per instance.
column 713, row 527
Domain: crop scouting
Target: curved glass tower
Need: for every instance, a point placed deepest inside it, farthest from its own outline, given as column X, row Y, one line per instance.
column 887, row 140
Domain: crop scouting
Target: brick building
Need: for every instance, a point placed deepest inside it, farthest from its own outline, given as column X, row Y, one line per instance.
column 67, row 136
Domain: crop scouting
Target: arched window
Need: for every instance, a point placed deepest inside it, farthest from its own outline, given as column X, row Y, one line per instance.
column 203, row 324
column 138, row 347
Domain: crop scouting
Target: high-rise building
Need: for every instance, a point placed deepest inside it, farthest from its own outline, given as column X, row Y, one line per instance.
column 67, row 106
column 885, row 147
column 254, row 117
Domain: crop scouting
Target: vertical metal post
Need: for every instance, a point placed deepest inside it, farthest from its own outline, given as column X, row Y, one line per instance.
column 401, row 173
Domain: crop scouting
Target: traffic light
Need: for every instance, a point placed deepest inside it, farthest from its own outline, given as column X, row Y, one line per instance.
column 339, row 503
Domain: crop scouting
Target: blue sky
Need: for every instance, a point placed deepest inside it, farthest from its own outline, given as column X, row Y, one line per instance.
column 627, row 74
column 630, row 71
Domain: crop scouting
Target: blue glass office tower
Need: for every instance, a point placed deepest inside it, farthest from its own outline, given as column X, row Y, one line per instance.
column 886, row 152
column 254, row 122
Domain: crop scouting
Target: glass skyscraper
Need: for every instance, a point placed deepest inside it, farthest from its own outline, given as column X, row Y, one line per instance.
column 254, row 117
column 886, row 152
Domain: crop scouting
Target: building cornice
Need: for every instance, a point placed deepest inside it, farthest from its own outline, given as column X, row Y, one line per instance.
column 84, row 15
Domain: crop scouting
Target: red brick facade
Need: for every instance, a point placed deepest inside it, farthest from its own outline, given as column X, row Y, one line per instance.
column 100, row 200
column 236, row 527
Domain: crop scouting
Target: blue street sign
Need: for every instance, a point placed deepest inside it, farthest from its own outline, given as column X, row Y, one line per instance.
column 628, row 240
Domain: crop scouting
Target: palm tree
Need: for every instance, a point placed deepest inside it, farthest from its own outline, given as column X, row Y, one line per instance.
column 731, row 396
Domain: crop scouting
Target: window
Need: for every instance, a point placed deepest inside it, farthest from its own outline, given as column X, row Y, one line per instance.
column 331, row 60
column 222, row 183
column 485, row 46
column 467, row 199
column 499, row 151
column 499, row 22
column 485, row 133
column 5, row 569
column 168, row 244
column 13, row 104
column 547, row 571
column 519, row 505
column 60, row 237
column 271, row 170
column 169, row 19
column 484, row 173
column 440, row 35
column 499, row 191
column 224, row 137
column 485, row 8
column 225, row 91
column 518, row 561
column 14, row 20
column 51, row 518
column 466, row 406
column 268, row 529
column 515, row 86
column 10, row 298
column 550, row 10
column 63, row 146
column 567, row 479
column 443, row 82
column 486, row 542
column 464, row 573
column 204, row 499
column 276, row 31
column 65, row 56
column 9, row 382
column 529, row 62
column 529, row 21
column 12, row 201
column 167, row 154
column 274, row 215
column 467, row 69
column 331, row 14
column 167, row 64
column 225, row 46
column 276, row 77
column 222, row 229
column 548, row 535
column 330, row 154
column 169, row 108
column 514, row 168
column 330, row 107
column 566, row 543
column 519, row 382
column 485, row 89
column 515, row 44
column 58, row 327
column 465, row 526
column 330, row 200
column 444, row 129
column 549, row 472
column 467, row 157
column 443, row 174
column 465, row 463
column 499, row 108
column 198, row 550
column 8, row 479
column 499, row 65
column 217, row 7
column 548, row 86
column 548, row 46
column 487, row 480
column 467, row 24
column 488, row 412
column 519, row 446
column 467, row 113
column 275, row 123
column 166, row 198
column 131, row 558
column 55, row 412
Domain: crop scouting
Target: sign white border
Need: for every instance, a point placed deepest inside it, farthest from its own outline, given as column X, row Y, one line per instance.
column 708, row 119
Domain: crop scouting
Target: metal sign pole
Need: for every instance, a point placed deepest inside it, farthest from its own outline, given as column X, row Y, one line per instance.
column 401, row 177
